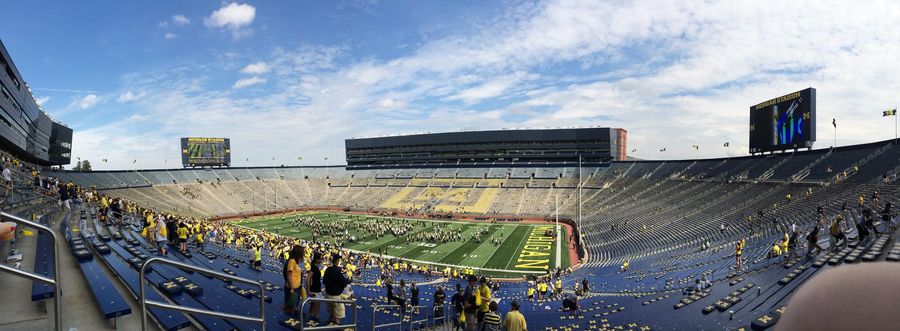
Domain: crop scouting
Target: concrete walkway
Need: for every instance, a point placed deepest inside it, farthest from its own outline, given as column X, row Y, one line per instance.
column 80, row 311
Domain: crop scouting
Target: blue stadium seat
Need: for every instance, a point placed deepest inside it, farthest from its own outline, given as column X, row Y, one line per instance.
column 43, row 265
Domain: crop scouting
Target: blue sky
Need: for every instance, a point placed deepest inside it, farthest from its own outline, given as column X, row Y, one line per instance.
column 292, row 79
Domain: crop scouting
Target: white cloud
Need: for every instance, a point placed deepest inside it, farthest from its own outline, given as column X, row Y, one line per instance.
column 244, row 82
column 88, row 101
column 42, row 100
column 137, row 118
column 388, row 103
column 234, row 17
column 180, row 20
column 257, row 68
column 490, row 89
column 674, row 74
column 130, row 96
column 170, row 36
column 164, row 24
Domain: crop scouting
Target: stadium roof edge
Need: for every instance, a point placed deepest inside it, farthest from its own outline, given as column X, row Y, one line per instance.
column 202, row 169
column 488, row 130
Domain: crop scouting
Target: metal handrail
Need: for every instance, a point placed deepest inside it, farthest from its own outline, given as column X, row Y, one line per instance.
column 57, row 291
column 144, row 302
column 375, row 313
column 352, row 303
column 435, row 318
column 414, row 322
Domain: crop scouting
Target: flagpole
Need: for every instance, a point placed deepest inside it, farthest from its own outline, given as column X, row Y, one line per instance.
column 834, row 123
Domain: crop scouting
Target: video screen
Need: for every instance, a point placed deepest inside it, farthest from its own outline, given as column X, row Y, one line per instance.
column 783, row 123
column 197, row 151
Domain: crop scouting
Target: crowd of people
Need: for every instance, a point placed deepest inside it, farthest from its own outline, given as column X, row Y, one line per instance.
column 862, row 220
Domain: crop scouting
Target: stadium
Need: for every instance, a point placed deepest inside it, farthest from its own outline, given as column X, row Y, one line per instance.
column 560, row 228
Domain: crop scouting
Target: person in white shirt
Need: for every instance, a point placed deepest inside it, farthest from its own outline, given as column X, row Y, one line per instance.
column 7, row 174
column 160, row 237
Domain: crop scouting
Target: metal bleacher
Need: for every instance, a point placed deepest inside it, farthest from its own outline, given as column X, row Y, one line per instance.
column 81, row 243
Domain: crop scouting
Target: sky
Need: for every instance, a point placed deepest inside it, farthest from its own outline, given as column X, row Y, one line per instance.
column 288, row 81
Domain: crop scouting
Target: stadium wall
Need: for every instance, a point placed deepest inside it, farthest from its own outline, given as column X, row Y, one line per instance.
column 507, row 147
column 26, row 131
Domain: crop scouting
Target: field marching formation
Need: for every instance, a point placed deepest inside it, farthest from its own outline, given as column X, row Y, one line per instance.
column 499, row 249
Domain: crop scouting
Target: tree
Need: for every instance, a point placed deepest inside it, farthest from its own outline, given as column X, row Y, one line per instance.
column 77, row 166
column 85, row 165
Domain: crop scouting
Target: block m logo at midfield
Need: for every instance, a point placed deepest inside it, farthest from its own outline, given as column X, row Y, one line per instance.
column 446, row 195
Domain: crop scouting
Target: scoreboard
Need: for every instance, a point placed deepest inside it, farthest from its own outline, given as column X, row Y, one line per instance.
column 783, row 123
column 199, row 152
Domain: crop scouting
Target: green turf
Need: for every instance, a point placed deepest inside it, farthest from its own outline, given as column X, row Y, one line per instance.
column 506, row 256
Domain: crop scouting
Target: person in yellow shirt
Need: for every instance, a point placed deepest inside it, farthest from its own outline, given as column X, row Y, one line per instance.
column 198, row 239
column 104, row 205
column 257, row 256
column 557, row 287
column 776, row 250
column 182, row 233
column 293, row 278
column 484, row 291
column 543, row 290
column 530, row 293
column 350, row 269
column 35, row 179
column 514, row 320
column 784, row 244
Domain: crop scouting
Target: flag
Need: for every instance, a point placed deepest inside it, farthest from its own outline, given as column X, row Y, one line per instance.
column 248, row 159
column 79, row 159
column 299, row 158
column 697, row 147
column 105, row 160
column 726, row 144
column 889, row 112
column 634, row 150
column 135, row 161
column 834, row 122
column 326, row 158
column 663, row 149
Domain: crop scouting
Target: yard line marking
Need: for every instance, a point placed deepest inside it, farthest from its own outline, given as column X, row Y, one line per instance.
column 501, row 244
column 521, row 245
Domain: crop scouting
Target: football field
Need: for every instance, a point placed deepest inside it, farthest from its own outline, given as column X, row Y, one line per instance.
column 522, row 249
